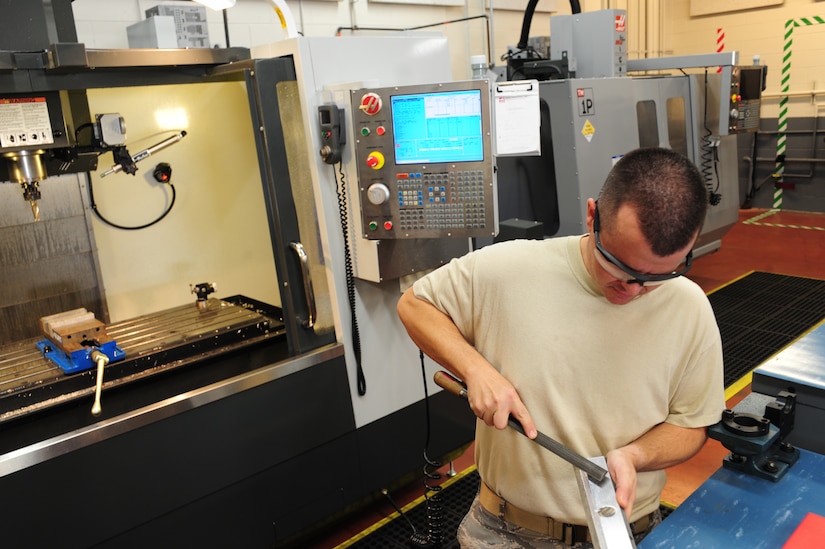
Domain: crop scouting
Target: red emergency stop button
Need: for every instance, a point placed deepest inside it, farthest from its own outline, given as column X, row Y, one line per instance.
column 375, row 160
column 370, row 103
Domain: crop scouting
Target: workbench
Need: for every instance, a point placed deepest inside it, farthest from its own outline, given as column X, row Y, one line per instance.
column 800, row 368
column 732, row 510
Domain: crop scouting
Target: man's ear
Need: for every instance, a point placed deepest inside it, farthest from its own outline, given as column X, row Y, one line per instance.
column 590, row 214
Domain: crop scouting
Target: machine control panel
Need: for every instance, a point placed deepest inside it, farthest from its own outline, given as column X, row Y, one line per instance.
column 424, row 160
column 746, row 87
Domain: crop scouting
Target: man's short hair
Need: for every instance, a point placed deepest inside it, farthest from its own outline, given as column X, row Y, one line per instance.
column 667, row 192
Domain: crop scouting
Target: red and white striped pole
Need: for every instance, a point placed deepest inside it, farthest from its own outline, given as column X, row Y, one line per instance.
column 720, row 44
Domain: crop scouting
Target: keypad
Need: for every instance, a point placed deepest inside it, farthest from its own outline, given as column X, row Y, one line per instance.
column 446, row 200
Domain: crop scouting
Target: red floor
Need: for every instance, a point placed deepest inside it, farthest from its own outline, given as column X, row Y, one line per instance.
column 782, row 242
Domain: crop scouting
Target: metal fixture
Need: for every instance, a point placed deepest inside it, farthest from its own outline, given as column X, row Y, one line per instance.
column 754, row 432
column 202, row 292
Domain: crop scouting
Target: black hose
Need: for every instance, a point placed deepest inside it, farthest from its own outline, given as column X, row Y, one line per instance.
column 575, row 7
column 93, row 205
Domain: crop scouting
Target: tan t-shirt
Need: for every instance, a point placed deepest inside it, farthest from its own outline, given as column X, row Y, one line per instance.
column 594, row 375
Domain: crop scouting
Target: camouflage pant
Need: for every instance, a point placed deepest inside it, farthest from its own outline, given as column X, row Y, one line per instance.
column 481, row 529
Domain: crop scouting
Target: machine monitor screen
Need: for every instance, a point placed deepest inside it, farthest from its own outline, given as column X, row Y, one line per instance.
column 751, row 81
column 437, row 127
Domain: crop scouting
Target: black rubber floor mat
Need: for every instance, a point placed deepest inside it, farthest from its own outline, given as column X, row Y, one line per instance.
column 453, row 502
column 760, row 314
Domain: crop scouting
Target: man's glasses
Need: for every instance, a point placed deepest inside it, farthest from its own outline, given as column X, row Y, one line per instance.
column 620, row 271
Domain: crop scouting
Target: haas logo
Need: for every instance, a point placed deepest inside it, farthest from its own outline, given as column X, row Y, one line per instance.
column 620, row 23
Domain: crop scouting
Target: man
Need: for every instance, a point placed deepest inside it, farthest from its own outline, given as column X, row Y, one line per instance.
column 595, row 339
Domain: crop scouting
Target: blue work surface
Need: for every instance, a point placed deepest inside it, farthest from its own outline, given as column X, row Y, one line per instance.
column 801, row 363
column 732, row 510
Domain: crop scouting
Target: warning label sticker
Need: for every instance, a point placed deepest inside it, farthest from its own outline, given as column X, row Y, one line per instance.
column 24, row 121
column 588, row 130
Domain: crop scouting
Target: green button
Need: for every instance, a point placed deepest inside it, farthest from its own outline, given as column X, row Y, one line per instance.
column 373, row 225
column 365, row 131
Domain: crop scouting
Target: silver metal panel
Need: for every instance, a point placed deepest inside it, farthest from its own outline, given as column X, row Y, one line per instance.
column 720, row 166
column 596, row 42
column 397, row 258
column 586, row 142
column 721, row 217
column 440, row 198
column 800, row 367
column 165, row 57
column 586, row 153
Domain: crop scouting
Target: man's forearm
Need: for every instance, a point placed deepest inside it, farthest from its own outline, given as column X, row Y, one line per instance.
column 436, row 335
column 492, row 398
column 665, row 445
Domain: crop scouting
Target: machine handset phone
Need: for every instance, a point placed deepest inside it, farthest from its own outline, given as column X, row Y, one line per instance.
column 333, row 137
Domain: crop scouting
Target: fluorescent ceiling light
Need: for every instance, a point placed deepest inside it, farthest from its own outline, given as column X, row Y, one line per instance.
column 217, row 4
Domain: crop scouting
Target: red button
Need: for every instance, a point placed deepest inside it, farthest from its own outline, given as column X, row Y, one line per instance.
column 387, row 225
column 375, row 160
column 380, row 130
column 370, row 103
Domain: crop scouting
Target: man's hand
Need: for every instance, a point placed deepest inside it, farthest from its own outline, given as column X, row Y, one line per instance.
column 493, row 399
column 623, row 472
column 662, row 446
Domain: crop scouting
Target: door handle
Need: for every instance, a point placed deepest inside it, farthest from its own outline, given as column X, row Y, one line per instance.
column 309, row 293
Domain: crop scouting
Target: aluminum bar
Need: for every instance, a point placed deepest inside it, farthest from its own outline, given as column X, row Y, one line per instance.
column 723, row 59
column 605, row 519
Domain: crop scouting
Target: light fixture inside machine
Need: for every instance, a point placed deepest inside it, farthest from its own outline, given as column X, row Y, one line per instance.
column 217, row 4
column 280, row 6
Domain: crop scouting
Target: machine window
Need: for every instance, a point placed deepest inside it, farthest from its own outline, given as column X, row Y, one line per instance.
column 647, row 123
column 677, row 125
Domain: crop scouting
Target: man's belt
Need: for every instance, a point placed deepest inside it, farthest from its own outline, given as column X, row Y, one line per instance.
column 568, row 533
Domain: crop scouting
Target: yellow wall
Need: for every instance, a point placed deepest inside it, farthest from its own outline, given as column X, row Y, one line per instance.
column 759, row 32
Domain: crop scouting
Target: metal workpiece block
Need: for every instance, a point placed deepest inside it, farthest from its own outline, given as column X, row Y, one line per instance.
column 608, row 525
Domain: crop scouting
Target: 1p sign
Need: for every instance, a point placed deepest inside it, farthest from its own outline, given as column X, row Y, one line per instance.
column 584, row 96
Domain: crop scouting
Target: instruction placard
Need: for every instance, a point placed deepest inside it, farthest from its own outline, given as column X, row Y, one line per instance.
column 24, row 122
column 517, row 118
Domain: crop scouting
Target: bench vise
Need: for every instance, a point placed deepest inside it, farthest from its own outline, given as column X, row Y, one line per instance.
column 754, row 432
